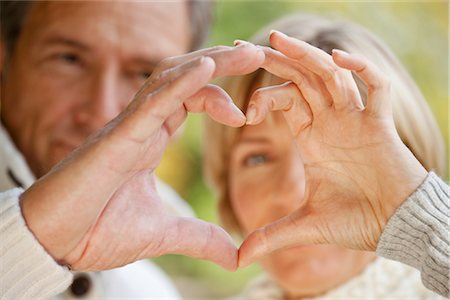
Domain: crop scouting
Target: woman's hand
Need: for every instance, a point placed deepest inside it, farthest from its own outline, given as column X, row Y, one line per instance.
column 98, row 209
column 358, row 171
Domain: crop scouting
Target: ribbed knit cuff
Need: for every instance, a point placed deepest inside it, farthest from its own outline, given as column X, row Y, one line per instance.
column 26, row 269
column 418, row 234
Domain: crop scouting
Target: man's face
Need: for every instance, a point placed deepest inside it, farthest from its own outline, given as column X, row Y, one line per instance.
column 76, row 65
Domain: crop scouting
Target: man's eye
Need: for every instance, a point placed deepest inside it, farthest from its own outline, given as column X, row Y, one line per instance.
column 69, row 58
column 139, row 75
column 144, row 75
column 255, row 160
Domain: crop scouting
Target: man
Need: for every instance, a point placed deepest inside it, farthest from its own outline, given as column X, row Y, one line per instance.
column 69, row 68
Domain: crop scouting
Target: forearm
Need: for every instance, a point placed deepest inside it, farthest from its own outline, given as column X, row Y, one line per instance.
column 418, row 234
column 27, row 270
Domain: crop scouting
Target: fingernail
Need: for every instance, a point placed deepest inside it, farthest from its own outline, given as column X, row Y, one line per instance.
column 242, row 264
column 340, row 52
column 277, row 32
column 250, row 114
column 239, row 112
column 239, row 42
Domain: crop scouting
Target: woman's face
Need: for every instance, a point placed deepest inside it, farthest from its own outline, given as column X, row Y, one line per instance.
column 267, row 182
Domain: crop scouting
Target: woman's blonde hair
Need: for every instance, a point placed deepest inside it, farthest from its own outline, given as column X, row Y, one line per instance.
column 413, row 118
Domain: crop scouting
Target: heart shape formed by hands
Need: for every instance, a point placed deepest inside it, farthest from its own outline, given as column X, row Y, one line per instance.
column 106, row 186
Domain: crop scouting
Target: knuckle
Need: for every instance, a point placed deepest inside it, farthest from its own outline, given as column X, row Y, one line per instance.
column 260, row 98
column 218, row 48
column 268, row 57
column 165, row 63
column 272, row 102
column 381, row 83
column 330, row 73
column 257, row 96
column 158, row 77
column 168, row 75
column 298, row 78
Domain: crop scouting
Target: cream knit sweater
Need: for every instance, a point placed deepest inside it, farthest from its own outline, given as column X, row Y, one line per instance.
column 382, row 279
column 418, row 234
column 27, row 270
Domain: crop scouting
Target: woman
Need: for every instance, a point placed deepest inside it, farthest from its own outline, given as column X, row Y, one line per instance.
column 260, row 176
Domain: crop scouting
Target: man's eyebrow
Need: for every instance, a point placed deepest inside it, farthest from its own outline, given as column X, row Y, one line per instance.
column 151, row 63
column 59, row 40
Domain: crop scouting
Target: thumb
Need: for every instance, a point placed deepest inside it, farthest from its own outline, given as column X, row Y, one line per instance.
column 200, row 239
column 296, row 229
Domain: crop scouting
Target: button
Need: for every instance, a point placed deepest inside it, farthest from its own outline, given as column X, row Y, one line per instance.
column 81, row 285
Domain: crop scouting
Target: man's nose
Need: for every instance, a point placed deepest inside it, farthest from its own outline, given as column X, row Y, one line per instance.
column 103, row 100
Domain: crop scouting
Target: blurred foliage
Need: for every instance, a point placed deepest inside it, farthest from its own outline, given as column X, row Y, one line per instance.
column 416, row 31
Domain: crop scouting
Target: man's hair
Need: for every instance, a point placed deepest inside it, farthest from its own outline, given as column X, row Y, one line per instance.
column 200, row 15
column 13, row 14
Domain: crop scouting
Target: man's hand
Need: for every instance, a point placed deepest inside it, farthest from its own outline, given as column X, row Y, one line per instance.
column 357, row 169
column 98, row 209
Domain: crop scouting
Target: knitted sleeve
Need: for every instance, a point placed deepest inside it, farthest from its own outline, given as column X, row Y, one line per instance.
column 26, row 269
column 418, row 234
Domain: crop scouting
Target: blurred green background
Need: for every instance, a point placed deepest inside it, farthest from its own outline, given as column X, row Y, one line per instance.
column 416, row 31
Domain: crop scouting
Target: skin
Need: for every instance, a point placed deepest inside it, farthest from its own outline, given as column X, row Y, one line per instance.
column 77, row 65
column 267, row 150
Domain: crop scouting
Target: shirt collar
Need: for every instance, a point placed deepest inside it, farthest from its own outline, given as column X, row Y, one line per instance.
column 12, row 162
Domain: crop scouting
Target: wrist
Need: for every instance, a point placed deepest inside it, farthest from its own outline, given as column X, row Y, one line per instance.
column 410, row 176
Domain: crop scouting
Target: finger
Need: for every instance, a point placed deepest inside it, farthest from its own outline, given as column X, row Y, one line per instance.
column 230, row 61
column 378, row 100
column 167, row 76
column 284, row 67
column 339, row 82
column 217, row 104
column 285, row 97
column 297, row 229
column 180, row 87
column 153, row 108
column 200, row 239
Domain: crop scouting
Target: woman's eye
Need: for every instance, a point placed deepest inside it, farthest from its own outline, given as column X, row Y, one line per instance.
column 255, row 160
